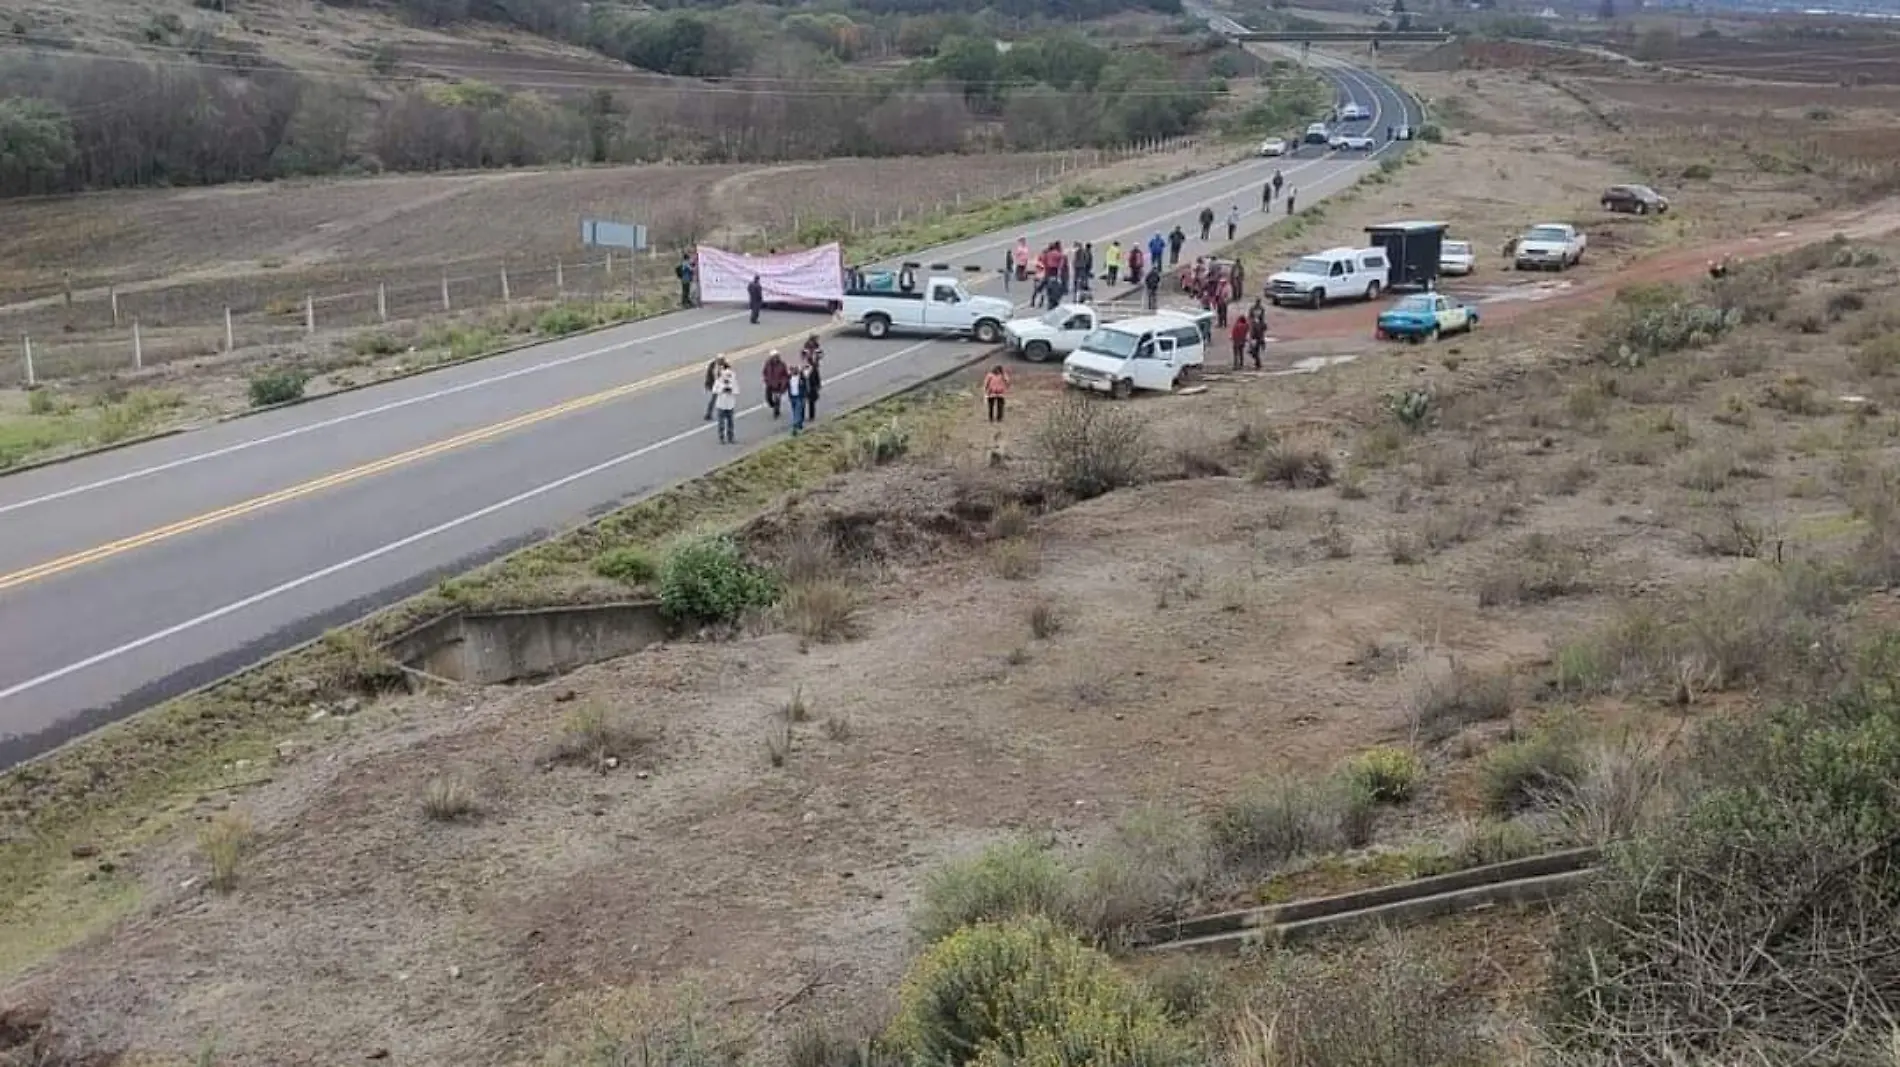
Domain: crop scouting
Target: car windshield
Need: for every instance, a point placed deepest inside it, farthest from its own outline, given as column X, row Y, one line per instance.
column 1547, row 233
column 1111, row 342
column 1309, row 265
column 1056, row 318
column 1414, row 304
column 1458, row 248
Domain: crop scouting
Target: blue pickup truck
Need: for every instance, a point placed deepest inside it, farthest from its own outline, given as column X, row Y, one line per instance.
column 1426, row 316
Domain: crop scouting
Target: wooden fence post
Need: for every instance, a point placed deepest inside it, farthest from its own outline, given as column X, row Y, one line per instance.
column 230, row 335
column 382, row 301
column 27, row 343
column 138, row 347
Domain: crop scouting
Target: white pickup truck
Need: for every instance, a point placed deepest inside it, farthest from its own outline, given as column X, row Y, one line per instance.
column 1549, row 246
column 943, row 306
column 1054, row 333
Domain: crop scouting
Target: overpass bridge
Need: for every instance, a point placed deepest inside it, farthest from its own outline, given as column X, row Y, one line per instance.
column 1324, row 36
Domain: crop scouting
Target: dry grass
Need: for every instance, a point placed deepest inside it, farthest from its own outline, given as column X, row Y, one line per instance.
column 1458, row 697
column 1015, row 559
column 1298, row 462
column 224, row 842
column 449, row 798
column 1045, row 620
column 822, row 611
column 596, row 738
column 1537, row 569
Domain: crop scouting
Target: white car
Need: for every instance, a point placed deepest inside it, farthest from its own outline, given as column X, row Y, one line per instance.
column 1456, row 257
column 1354, row 112
column 1353, row 142
column 1550, row 246
column 1273, row 146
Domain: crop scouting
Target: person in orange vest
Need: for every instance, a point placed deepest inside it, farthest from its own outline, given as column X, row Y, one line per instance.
column 995, row 388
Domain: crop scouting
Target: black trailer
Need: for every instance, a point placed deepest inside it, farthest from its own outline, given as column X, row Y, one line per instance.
column 1411, row 252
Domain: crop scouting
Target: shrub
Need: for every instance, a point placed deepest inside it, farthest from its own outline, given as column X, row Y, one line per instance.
column 1613, row 791
column 1386, row 774
column 1300, row 463
column 1697, row 172
column 1878, row 356
column 1521, row 774
column 1089, row 447
column 1765, row 914
column 1026, row 993
column 591, row 736
column 40, row 401
column 1015, row 559
column 376, row 344
column 1483, row 842
column 1637, row 333
column 1045, row 620
column 1390, row 1004
column 448, row 798
column 277, row 387
column 1413, row 408
column 1283, row 819
column 1431, row 132
column 562, row 320
column 634, row 566
column 1457, row 698
column 708, row 580
column 1008, row 880
column 1543, row 568
column 225, row 841
column 1010, row 521
column 1153, row 864
column 885, row 444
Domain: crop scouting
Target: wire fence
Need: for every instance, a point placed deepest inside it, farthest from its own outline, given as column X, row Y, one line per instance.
column 139, row 328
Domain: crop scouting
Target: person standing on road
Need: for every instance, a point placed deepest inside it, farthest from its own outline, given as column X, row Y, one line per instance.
column 1278, row 181
column 726, row 404
column 1238, row 335
column 713, row 370
column 1266, row 196
column 755, row 297
column 1223, row 298
column 1207, row 222
column 776, row 376
column 1152, row 283
column 1114, row 261
column 684, row 272
column 1157, row 247
column 1233, row 221
column 1021, row 256
column 1256, row 332
column 1009, row 267
column 1176, row 239
column 995, row 388
column 1134, row 264
column 1290, row 194
column 813, row 380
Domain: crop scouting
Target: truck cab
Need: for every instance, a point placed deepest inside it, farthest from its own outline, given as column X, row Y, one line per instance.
column 1152, row 353
column 942, row 307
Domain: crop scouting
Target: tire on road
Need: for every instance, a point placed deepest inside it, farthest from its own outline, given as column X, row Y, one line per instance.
column 877, row 327
column 1038, row 352
column 988, row 331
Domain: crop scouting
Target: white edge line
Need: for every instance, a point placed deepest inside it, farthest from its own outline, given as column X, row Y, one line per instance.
column 404, row 542
column 1059, row 222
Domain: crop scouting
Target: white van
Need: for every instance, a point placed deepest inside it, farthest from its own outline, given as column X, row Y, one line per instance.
column 1152, row 352
column 1335, row 274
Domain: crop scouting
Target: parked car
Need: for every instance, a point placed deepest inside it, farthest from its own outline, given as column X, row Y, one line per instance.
column 1273, row 146
column 1352, row 142
column 1549, row 246
column 1151, row 352
column 1426, row 316
column 1317, row 133
column 1052, row 334
column 944, row 306
column 1456, row 257
column 1634, row 199
column 1354, row 112
column 1335, row 274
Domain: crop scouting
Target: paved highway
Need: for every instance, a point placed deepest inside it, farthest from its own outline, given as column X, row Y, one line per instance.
column 130, row 576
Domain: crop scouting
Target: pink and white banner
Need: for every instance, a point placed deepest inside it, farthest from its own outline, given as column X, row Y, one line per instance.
column 814, row 276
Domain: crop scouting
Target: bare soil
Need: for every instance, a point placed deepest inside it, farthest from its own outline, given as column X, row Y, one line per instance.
column 1213, row 627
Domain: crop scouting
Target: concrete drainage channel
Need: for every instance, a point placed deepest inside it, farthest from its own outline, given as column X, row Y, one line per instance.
column 497, row 647
column 1535, row 880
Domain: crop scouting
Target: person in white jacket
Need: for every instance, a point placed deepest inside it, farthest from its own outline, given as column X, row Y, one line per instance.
column 726, row 403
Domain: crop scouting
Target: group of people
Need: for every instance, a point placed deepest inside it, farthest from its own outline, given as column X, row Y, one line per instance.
column 1216, row 284
column 1056, row 273
column 1270, row 189
column 1249, row 334
column 787, row 388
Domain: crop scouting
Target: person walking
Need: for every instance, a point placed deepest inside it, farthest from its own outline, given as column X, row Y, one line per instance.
column 1153, row 285
column 1009, row 267
column 713, row 370
column 1238, row 335
column 684, row 272
column 1233, row 221
column 1266, row 195
column 795, row 387
column 814, row 381
column 1134, row 264
column 777, row 375
column 1021, row 257
column 1256, row 333
column 1176, row 239
column 1114, row 261
column 755, row 297
column 1157, row 247
column 726, row 404
column 995, row 388
column 1290, row 194
column 1223, row 298
column 1238, row 275
column 1085, row 266
column 1278, row 181
column 1207, row 222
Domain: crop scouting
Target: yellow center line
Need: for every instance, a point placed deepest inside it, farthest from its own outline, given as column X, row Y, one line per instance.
column 344, row 477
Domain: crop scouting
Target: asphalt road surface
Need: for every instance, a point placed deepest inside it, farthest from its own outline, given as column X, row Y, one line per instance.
column 131, row 576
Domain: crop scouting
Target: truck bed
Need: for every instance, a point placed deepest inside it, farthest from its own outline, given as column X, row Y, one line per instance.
column 884, row 294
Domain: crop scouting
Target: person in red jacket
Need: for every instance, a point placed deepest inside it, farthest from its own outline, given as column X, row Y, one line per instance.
column 1238, row 335
column 777, row 378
